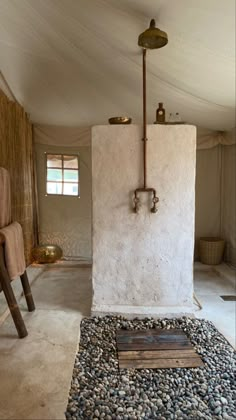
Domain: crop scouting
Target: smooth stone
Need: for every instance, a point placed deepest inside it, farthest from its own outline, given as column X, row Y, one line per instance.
column 120, row 410
column 224, row 400
column 227, row 417
column 122, row 393
column 217, row 410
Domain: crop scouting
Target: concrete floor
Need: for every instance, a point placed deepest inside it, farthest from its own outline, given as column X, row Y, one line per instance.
column 36, row 371
column 33, row 272
column 209, row 284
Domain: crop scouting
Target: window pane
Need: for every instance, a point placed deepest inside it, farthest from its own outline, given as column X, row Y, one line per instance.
column 71, row 189
column 54, row 161
column 70, row 161
column 54, row 175
column 70, row 175
column 54, row 188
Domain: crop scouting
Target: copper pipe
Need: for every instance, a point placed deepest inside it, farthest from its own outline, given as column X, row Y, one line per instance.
column 144, row 122
column 155, row 199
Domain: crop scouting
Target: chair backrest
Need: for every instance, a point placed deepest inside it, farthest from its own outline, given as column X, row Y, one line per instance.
column 5, row 198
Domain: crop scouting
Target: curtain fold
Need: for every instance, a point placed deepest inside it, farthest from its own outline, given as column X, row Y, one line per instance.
column 81, row 136
column 62, row 136
column 16, row 155
column 207, row 139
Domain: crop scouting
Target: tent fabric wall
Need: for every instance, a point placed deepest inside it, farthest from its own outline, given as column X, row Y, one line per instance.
column 216, row 190
column 206, row 139
column 208, row 180
column 81, row 136
column 77, row 62
column 65, row 220
column 62, row 136
column 229, row 201
column 215, row 176
column 69, row 68
column 74, row 234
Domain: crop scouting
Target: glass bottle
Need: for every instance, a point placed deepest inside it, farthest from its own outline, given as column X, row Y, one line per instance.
column 171, row 118
column 160, row 113
column 177, row 118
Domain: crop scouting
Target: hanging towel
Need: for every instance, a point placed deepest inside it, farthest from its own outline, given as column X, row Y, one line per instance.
column 5, row 198
column 14, row 249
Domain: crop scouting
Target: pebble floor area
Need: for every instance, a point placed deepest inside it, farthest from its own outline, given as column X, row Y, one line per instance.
column 100, row 391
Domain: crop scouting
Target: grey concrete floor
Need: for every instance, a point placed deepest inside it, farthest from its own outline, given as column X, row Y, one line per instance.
column 209, row 284
column 36, row 371
column 33, row 272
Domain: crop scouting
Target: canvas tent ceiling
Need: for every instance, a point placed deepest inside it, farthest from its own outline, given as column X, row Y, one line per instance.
column 77, row 62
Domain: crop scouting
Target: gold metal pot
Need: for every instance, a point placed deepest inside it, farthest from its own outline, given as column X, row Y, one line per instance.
column 120, row 120
column 43, row 254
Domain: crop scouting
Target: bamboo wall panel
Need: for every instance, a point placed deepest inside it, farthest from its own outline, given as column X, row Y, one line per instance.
column 16, row 155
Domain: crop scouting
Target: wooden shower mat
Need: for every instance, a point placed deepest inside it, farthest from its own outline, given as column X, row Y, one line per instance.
column 155, row 348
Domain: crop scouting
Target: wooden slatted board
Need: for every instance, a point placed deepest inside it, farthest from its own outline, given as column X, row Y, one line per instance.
column 156, row 348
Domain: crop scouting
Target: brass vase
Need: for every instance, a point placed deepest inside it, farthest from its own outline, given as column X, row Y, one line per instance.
column 43, row 254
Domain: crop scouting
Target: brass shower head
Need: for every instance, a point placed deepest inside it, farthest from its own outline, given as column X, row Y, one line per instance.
column 153, row 37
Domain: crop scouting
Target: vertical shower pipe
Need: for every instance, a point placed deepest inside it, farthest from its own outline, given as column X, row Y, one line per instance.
column 144, row 122
column 155, row 199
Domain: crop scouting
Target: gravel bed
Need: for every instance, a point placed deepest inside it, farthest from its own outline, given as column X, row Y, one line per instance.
column 100, row 391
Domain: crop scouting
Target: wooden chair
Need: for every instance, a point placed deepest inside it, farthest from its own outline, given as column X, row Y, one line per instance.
column 5, row 286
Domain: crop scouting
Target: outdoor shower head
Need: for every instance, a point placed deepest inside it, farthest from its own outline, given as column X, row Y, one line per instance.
column 153, row 37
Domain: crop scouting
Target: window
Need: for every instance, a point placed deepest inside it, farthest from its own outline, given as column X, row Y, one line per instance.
column 62, row 174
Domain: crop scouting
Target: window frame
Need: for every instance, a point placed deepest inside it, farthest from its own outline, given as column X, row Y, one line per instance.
column 75, row 155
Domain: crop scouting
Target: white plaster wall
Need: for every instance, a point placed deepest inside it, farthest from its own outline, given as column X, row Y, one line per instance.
column 64, row 220
column 143, row 263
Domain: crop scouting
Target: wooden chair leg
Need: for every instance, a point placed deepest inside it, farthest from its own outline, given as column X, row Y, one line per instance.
column 10, row 298
column 27, row 292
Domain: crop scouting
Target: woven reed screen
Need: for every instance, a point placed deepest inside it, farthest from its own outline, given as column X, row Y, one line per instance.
column 16, row 156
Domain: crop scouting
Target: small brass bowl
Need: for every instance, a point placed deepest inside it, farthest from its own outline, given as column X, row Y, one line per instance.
column 120, row 120
column 44, row 254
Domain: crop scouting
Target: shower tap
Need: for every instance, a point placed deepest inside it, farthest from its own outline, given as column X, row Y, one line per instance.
column 137, row 203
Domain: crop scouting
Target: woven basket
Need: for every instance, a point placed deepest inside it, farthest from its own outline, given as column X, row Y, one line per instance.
column 211, row 250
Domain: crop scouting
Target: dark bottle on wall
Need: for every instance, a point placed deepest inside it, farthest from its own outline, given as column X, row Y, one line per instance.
column 160, row 113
